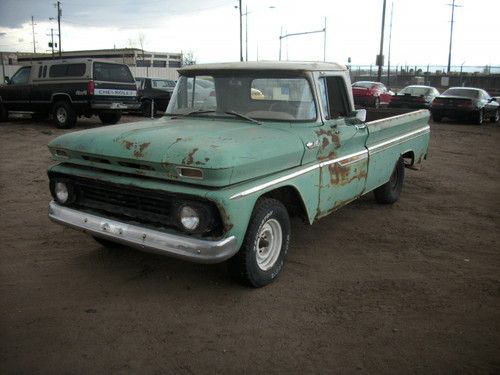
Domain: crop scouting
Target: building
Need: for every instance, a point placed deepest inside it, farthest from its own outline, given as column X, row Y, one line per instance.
column 142, row 63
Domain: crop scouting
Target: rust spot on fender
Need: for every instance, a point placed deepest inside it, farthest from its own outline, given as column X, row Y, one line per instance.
column 138, row 148
column 226, row 219
column 188, row 160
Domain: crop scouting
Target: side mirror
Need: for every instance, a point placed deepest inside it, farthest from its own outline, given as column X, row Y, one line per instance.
column 7, row 80
column 360, row 115
column 493, row 99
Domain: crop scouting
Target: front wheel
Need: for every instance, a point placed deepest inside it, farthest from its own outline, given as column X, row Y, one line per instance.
column 262, row 255
column 495, row 117
column 110, row 118
column 479, row 117
column 389, row 192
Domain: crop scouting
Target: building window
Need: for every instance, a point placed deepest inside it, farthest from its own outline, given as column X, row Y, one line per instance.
column 159, row 63
column 143, row 63
column 174, row 64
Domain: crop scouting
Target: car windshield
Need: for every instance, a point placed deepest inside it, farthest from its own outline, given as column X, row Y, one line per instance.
column 162, row 83
column 364, row 84
column 254, row 96
column 466, row 93
column 415, row 91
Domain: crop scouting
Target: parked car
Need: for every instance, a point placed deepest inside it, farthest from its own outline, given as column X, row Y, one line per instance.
column 414, row 96
column 215, row 184
column 154, row 90
column 70, row 88
column 468, row 103
column 371, row 94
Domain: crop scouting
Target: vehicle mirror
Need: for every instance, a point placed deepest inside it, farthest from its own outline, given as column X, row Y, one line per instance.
column 7, row 80
column 493, row 100
column 360, row 114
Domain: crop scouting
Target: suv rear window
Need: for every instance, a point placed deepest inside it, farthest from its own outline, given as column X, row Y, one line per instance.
column 112, row 72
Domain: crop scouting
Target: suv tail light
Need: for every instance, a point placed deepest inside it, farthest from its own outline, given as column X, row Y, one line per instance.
column 90, row 87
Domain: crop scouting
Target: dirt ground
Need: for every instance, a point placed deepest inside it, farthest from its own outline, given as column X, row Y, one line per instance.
column 410, row 288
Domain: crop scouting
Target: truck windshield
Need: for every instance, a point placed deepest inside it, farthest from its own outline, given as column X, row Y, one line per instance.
column 254, row 96
column 112, row 72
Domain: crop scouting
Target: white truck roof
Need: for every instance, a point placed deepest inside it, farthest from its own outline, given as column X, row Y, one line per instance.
column 266, row 65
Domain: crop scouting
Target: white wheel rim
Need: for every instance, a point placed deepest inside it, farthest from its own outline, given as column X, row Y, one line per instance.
column 269, row 241
column 61, row 114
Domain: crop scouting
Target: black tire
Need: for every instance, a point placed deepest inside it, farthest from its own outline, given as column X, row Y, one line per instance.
column 146, row 108
column 110, row 118
column 479, row 117
column 376, row 103
column 64, row 115
column 389, row 192
column 107, row 243
column 496, row 116
column 255, row 264
column 4, row 114
column 437, row 118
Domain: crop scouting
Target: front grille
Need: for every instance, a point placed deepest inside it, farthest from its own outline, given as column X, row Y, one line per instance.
column 130, row 203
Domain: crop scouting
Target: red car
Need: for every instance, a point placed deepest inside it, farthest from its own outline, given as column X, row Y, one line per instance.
column 371, row 94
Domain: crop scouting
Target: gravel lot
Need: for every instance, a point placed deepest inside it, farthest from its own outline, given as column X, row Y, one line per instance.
column 411, row 288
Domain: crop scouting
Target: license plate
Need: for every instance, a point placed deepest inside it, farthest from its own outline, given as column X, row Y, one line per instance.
column 118, row 106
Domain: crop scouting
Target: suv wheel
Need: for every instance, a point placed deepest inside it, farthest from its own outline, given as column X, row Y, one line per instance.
column 495, row 117
column 64, row 115
column 479, row 117
column 110, row 118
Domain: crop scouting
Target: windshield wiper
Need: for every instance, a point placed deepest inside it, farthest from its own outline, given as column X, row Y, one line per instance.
column 199, row 112
column 242, row 116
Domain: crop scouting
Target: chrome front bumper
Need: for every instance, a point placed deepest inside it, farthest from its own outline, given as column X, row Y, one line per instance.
column 192, row 249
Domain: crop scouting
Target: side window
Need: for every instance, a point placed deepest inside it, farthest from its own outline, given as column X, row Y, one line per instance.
column 58, row 70
column 323, row 97
column 22, row 76
column 338, row 100
column 40, row 68
column 76, row 70
column 45, row 71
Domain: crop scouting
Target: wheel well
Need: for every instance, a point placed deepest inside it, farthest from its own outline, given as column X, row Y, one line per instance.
column 291, row 199
column 409, row 158
column 60, row 97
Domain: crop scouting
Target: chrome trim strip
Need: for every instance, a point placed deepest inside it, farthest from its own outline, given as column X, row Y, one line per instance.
column 425, row 129
column 297, row 173
column 375, row 122
column 184, row 247
column 357, row 156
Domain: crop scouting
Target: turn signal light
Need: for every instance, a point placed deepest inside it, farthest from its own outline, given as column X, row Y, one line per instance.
column 90, row 87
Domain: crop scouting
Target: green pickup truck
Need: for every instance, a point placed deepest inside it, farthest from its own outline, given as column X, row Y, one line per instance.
column 219, row 176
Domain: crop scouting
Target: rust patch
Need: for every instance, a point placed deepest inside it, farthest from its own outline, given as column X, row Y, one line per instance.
column 339, row 175
column 329, row 134
column 188, row 160
column 128, row 145
column 138, row 148
column 226, row 219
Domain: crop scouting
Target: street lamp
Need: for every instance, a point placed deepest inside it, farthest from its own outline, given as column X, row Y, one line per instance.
column 246, row 27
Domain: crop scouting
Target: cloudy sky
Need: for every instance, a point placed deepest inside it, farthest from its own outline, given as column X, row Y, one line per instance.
column 210, row 28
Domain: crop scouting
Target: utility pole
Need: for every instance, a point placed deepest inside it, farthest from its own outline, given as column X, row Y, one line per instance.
column 380, row 57
column 246, row 33
column 59, row 14
column 453, row 6
column 241, row 32
column 33, row 31
column 389, row 52
column 324, row 43
column 52, row 42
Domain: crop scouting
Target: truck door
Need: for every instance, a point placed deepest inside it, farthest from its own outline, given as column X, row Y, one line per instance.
column 16, row 95
column 342, row 153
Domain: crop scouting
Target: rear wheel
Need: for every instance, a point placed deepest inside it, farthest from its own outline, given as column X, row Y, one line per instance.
column 63, row 115
column 110, row 118
column 495, row 117
column 479, row 117
column 4, row 114
column 262, row 255
column 389, row 192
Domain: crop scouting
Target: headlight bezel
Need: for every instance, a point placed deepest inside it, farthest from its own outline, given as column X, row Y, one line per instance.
column 70, row 191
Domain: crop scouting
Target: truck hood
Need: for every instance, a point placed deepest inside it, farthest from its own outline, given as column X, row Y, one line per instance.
column 227, row 151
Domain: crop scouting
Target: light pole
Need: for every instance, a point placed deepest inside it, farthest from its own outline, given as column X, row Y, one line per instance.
column 241, row 32
column 380, row 57
column 246, row 28
column 453, row 6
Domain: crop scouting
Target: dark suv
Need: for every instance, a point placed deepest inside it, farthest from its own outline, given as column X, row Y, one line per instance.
column 154, row 94
column 70, row 88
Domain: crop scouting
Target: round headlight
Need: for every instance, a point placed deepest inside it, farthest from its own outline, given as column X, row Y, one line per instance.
column 190, row 219
column 61, row 191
